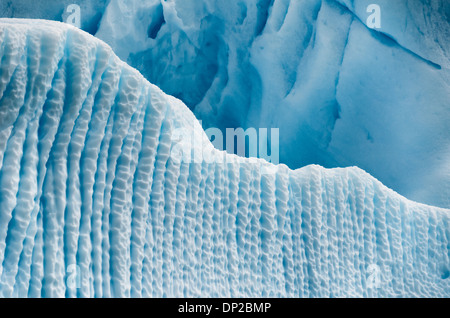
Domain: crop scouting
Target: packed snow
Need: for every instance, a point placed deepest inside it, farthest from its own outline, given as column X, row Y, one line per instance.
column 96, row 198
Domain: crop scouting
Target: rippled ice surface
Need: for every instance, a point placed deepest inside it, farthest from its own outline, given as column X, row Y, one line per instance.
column 95, row 202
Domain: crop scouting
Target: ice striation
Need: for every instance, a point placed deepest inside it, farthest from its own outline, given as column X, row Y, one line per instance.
column 90, row 184
column 341, row 93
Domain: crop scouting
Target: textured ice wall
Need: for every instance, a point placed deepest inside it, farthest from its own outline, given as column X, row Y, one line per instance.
column 89, row 178
column 341, row 93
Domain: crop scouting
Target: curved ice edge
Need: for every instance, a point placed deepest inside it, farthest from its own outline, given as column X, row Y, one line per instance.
column 206, row 230
column 50, row 23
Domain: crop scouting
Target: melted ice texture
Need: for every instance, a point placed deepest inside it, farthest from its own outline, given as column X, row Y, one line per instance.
column 341, row 94
column 88, row 179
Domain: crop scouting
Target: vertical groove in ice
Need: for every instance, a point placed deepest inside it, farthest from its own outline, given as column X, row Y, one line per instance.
column 93, row 201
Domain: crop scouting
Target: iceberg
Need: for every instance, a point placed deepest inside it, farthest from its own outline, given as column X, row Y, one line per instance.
column 97, row 200
column 342, row 93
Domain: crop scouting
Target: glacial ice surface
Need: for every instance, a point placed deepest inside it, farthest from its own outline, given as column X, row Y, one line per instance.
column 92, row 177
column 340, row 93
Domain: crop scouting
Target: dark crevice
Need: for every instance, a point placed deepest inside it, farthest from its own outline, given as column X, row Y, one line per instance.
column 308, row 41
column 263, row 7
column 388, row 40
column 156, row 23
column 94, row 24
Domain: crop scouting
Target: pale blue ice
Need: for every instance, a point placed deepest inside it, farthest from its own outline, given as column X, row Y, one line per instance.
column 94, row 202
